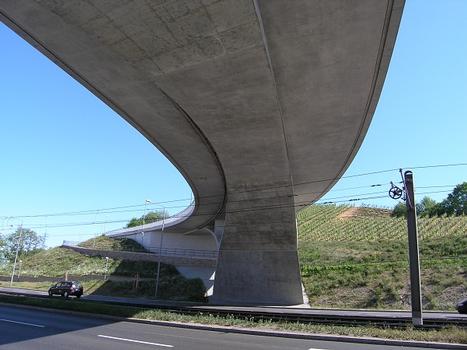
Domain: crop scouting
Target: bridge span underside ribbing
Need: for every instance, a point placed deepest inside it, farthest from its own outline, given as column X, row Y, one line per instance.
column 261, row 104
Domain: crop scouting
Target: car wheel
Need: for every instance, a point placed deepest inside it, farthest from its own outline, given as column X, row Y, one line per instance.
column 65, row 295
column 50, row 293
column 78, row 296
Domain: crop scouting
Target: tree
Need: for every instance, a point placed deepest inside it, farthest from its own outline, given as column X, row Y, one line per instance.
column 26, row 239
column 426, row 207
column 152, row 216
column 455, row 203
column 400, row 210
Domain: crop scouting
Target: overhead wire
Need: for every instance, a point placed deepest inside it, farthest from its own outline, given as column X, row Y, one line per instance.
column 296, row 205
column 253, row 190
column 356, row 197
column 156, row 205
column 250, row 209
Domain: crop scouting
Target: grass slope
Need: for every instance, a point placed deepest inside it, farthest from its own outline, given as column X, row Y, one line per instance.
column 357, row 258
column 55, row 262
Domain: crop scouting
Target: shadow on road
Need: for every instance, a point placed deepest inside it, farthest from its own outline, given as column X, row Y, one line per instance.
column 19, row 324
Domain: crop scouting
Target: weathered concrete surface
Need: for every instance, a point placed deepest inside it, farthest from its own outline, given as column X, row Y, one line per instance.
column 262, row 105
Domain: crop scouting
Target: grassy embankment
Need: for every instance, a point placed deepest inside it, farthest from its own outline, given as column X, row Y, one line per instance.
column 447, row 335
column 357, row 258
column 55, row 262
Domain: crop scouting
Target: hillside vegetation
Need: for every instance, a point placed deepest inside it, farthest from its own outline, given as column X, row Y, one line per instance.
column 55, row 262
column 357, row 258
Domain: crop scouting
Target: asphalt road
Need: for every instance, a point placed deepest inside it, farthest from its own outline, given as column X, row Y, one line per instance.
column 25, row 329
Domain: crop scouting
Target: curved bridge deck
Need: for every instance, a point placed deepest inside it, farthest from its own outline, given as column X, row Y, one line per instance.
column 261, row 105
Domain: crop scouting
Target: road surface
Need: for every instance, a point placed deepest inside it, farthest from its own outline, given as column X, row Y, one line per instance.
column 33, row 329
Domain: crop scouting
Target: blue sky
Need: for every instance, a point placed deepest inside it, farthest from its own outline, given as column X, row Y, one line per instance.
column 62, row 149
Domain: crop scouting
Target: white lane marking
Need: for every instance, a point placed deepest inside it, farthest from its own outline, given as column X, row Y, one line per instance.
column 136, row 341
column 23, row 323
column 315, row 349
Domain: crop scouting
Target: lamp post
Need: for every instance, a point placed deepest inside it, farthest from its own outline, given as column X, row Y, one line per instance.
column 146, row 202
column 160, row 252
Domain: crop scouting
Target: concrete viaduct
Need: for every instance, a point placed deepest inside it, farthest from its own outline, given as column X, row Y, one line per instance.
column 260, row 104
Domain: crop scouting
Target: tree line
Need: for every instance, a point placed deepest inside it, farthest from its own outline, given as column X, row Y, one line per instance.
column 152, row 216
column 28, row 241
column 25, row 240
column 455, row 204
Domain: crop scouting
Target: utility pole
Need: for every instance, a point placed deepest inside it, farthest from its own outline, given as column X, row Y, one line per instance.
column 414, row 261
column 160, row 254
column 18, row 243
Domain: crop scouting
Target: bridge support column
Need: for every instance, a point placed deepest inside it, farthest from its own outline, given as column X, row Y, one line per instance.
column 258, row 261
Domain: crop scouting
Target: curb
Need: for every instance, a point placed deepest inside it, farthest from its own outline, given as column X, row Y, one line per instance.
column 258, row 332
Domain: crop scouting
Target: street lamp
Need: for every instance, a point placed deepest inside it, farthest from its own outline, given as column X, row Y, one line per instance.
column 146, row 202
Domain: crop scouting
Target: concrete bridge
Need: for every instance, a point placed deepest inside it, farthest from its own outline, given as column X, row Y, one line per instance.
column 261, row 105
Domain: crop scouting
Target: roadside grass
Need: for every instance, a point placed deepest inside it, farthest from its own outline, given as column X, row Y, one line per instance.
column 115, row 244
column 42, row 286
column 447, row 335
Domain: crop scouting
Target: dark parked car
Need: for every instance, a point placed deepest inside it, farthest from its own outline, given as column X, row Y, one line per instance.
column 462, row 306
column 67, row 288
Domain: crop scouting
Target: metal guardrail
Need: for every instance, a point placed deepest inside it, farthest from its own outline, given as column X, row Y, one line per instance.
column 70, row 243
column 167, row 252
column 185, row 253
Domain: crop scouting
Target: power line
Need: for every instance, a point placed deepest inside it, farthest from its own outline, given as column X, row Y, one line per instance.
column 377, row 197
column 270, row 187
column 357, row 175
column 251, row 209
column 436, row 166
column 297, row 205
column 355, row 195
column 381, row 192
column 97, row 211
column 152, row 207
column 149, row 209
column 115, row 209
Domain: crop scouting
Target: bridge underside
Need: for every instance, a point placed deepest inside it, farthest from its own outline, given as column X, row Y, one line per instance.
column 261, row 104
